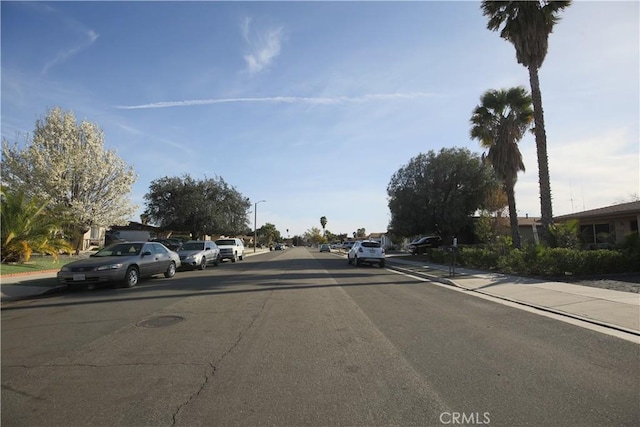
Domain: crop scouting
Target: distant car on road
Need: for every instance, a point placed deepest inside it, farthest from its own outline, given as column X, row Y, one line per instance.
column 366, row 251
column 325, row 247
column 124, row 263
column 199, row 254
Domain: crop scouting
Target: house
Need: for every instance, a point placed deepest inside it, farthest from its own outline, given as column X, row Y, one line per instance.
column 384, row 240
column 610, row 224
column 94, row 238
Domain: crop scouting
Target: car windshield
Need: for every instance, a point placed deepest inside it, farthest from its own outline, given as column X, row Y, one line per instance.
column 225, row 242
column 121, row 249
column 192, row 246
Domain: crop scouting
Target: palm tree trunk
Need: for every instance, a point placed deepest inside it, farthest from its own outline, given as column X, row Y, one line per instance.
column 546, row 209
column 513, row 215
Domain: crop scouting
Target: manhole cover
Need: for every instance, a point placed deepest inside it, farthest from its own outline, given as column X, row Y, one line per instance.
column 160, row 321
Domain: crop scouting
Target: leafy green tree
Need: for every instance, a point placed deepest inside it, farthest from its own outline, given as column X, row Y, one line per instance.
column 268, row 234
column 527, row 25
column 27, row 226
column 323, row 223
column 314, row 236
column 438, row 193
column 201, row 207
column 499, row 123
column 66, row 166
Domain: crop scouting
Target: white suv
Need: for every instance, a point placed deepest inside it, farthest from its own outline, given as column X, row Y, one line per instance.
column 368, row 251
column 231, row 248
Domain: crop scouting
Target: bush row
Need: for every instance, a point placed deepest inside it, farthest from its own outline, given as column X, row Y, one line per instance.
column 541, row 261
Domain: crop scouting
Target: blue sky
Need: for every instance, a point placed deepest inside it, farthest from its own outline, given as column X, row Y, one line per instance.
column 312, row 106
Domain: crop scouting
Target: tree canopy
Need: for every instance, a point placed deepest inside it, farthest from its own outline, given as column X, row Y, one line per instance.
column 314, row 236
column 268, row 234
column 66, row 166
column 437, row 193
column 208, row 206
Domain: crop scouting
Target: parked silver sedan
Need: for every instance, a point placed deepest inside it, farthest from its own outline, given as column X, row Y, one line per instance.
column 199, row 253
column 121, row 263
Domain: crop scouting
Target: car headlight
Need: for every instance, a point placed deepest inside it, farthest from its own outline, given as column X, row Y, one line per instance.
column 110, row 267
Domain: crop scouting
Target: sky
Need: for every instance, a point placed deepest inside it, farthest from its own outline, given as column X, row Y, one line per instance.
column 313, row 106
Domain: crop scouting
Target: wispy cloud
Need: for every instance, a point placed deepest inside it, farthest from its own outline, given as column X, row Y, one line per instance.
column 283, row 100
column 264, row 46
column 87, row 37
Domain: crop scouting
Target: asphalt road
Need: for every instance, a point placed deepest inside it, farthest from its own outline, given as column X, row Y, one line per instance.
column 298, row 338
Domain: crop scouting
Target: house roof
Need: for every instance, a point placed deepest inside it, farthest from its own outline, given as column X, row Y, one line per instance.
column 622, row 209
column 135, row 226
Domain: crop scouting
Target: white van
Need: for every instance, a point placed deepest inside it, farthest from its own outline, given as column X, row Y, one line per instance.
column 231, row 248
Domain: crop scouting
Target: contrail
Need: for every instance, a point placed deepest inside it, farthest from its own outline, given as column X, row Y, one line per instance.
column 281, row 100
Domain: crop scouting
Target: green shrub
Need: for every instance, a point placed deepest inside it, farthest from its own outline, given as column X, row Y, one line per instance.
column 538, row 260
column 478, row 257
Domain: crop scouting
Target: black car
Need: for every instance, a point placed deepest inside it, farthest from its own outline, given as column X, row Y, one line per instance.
column 419, row 246
column 171, row 244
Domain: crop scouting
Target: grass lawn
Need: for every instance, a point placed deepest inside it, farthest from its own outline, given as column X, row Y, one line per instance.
column 37, row 263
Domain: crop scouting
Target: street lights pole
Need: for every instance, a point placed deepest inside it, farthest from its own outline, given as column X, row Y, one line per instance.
column 255, row 224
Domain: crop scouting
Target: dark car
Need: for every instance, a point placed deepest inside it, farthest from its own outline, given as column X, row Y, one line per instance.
column 418, row 246
column 172, row 244
column 123, row 263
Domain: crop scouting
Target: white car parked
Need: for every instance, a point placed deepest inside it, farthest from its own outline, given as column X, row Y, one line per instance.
column 366, row 251
column 231, row 248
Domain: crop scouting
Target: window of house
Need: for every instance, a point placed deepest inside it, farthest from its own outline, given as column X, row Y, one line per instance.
column 95, row 232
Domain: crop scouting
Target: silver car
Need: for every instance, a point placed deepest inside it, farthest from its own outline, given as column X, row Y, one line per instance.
column 123, row 263
column 199, row 253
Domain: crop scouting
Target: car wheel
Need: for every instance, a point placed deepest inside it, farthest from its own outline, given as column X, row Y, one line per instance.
column 131, row 278
column 357, row 262
column 382, row 264
column 241, row 257
column 171, row 270
column 217, row 261
column 235, row 258
column 203, row 263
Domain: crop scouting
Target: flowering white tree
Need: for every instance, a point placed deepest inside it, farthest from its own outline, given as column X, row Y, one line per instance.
column 65, row 163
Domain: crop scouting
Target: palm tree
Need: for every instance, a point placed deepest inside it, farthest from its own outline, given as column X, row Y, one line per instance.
column 527, row 25
column 27, row 226
column 499, row 122
column 323, row 223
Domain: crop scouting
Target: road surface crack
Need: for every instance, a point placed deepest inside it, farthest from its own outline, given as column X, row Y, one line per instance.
column 210, row 373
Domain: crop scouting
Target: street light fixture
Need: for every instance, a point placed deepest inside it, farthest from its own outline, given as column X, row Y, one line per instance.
column 255, row 224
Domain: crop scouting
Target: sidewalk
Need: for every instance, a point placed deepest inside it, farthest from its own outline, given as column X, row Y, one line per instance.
column 614, row 309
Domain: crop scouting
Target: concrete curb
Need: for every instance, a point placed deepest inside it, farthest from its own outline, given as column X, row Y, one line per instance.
column 451, row 282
